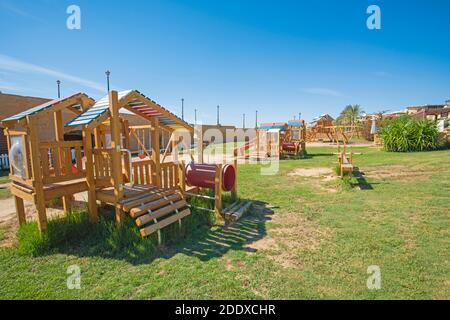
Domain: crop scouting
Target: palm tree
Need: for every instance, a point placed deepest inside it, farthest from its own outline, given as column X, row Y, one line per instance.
column 350, row 114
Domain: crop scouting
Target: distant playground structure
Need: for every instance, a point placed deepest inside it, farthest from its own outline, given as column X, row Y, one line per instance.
column 153, row 192
column 324, row 127
column 275, row 139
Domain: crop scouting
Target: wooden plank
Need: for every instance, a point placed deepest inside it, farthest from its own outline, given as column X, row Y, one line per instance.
column 136, row 174
column 218, row 194
column 238, row 214
column 141, row 200
column 63, row 144
column 164, row 223
column 156, row 179
column 90, row 180
column 55, row 162
column 20, row 210
column 37, row 174
column 147, row 174
column 66, row 190
column 45, row 163
column 21, row 193
column 141, row 210
column 142, row 220
column 79, row 159
column 56, row 179
column 116, row 157
column 68, row 161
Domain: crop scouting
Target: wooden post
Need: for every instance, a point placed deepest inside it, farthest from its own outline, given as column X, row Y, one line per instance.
column 174, row 143
column 117, row 175
column 303, row 137
column 198, row 136
column 59, row 136
column 37, row 174
column 126, row 135
column 182, row 177
column 218, row 194
column 20, row 209
column 155, row 151
column 90, row 180
column 97, row 138
column 235, row 164
column 258, row 144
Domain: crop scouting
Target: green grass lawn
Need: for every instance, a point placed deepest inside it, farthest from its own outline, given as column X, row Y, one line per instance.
column 306, row 237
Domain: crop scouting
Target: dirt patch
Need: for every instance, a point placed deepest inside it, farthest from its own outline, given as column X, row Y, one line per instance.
column 395, row 171
column 310, row 172
column 293, row 234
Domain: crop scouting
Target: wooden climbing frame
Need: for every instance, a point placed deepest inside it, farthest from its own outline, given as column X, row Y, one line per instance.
column 150, row 191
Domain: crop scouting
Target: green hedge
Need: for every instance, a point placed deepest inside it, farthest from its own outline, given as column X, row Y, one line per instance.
column 406, row 134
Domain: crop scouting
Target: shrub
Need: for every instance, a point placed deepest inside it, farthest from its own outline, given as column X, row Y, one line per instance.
column 406, row 134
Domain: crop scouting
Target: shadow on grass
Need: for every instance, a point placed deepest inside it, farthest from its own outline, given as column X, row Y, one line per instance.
column 75, row 235
column 306, row 156
column 361, row 181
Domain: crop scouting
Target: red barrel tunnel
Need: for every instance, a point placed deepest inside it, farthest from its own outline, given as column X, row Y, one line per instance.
column 203, row 175
column 289, row 146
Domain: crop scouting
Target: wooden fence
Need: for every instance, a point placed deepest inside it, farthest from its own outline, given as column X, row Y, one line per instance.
column 4, row 162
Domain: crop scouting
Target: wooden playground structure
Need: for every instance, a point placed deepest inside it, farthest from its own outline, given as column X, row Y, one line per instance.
column 275, row 139
column 151, row 191
column 324, row 127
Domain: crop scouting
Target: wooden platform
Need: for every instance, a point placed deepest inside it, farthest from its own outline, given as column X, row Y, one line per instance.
column 52, row 190
column 152, row 208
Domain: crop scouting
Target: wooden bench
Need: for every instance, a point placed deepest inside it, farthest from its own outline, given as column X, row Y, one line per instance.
column 345, row 163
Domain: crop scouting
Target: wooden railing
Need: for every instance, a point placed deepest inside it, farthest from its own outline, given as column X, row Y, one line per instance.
column 144, row 173
column 103, row 167
column 61, row 161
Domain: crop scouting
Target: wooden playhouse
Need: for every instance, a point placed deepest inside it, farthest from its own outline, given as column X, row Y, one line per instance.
column 151, row 191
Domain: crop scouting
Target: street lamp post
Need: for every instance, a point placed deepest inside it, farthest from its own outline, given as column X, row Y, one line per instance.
column 182, row 109
column 256, row 119
column 195, row 116
column 107, row 79
column 58, row 82
column 218, row 107
column 243, row 121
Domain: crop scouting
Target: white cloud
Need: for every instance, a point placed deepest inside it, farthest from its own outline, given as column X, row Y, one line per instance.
column 323, row 92
column 11, row 64
column 19, row 12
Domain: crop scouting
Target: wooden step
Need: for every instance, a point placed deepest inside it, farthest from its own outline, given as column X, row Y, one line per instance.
column 133, row 203
column 164, row 211
column 143, row 209
column 164, row 223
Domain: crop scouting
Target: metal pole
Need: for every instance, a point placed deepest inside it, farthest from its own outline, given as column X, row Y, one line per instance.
column 107, row 79
column 195, row 116
column 58, row 82
column 256, row 119
column 182, row 109
column 218, row 122
column 243, row 121
column 299, row 116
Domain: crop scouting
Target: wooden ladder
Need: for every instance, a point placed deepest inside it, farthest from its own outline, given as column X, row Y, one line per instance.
column 156, row 209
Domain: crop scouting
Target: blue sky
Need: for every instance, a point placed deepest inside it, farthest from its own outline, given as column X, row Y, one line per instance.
column 279, row 57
